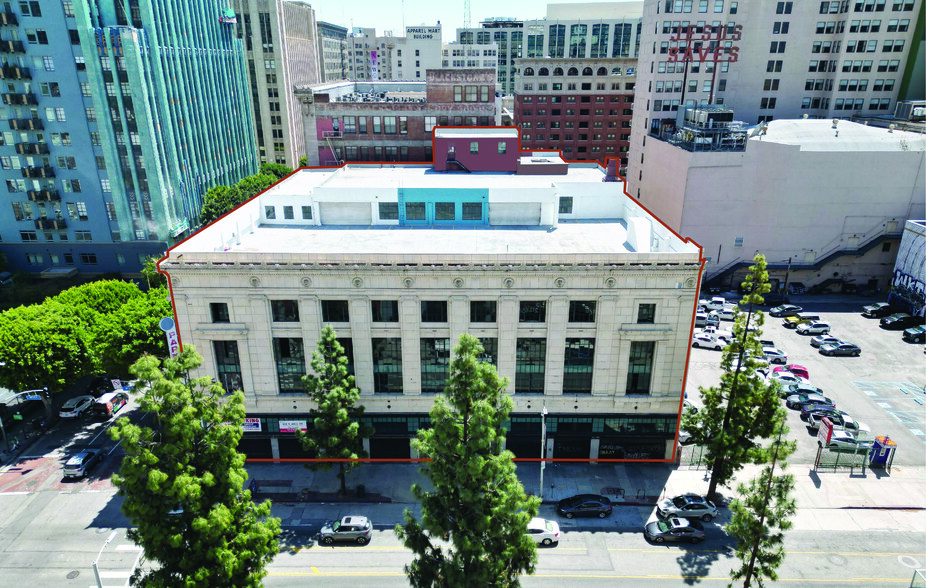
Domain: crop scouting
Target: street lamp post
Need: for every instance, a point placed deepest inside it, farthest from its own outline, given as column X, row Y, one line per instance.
column 543, row 446
column 96, row 569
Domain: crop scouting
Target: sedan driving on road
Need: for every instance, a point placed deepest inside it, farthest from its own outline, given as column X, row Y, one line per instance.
column 690, row 506
column 354, row 528
column 584, row 505
column 75, row 407
column 674, row 529
column 841, row 348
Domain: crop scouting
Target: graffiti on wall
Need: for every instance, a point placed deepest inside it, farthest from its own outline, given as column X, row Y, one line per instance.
column 908, row 290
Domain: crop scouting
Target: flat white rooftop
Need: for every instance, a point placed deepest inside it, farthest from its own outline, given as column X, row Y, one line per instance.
column 819, row 135
column 382, row 243
column 406, row 176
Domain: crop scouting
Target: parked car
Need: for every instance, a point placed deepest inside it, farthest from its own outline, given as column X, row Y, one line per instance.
column 823, row 411
column 354, row 528
column 723, row 334
column 846, row 440
column 82, row 462
column 800, row 388
column 690, row 506
column 802, row 400
column 823, row 340
column 715, row 303
column 878, row 310
column 899, row 321
column 915, row 334
column 727, row 313
column 766, row 343
column 785, row 378
column 809, row 409
column 703, row 340
column 75, row 407
column 584, row 505
column 785, row 310
column 674, row 529
column 542, row 531
column 775, row 355
column 840, row 421
column 813, row 328
column 841, row 348
column 797, row 370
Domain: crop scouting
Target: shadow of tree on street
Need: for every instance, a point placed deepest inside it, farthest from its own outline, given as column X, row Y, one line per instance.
column 695, row 563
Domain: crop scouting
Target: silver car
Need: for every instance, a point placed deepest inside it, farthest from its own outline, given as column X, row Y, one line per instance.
column 690, row 506
column 354, row 528
column 542, row 531
column 75, row 407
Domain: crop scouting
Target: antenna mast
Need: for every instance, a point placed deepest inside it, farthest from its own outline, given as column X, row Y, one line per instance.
column 466, row 20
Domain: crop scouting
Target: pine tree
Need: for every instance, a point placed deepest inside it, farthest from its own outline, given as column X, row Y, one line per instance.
column 761, row 514
column 741, row 409
column 337, row 433
column 183, row 482
column 478, row 503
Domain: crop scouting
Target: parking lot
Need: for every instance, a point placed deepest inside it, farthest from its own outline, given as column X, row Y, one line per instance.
column 883, row 388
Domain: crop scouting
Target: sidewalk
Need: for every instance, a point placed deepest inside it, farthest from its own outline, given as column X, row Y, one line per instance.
column 826, row 500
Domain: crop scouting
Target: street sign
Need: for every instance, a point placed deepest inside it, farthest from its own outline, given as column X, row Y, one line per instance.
column 33, row 397
column 17, row 417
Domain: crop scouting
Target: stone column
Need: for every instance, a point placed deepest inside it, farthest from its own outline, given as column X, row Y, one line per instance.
column 604, row 379
column 557, row 317
column 459, row 318
column 260, row 344
column 361, row 320
column 507, row 317
column 410, row 323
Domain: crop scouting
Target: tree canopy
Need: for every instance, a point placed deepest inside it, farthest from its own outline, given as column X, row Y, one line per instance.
column 183, row 482
column 336, row 432
column 741, row 410
column 478, row 503
column 277, row 170
column 221, row 199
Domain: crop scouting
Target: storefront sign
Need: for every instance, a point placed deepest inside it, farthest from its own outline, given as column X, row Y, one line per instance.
column 251, row 426
column 292, row 426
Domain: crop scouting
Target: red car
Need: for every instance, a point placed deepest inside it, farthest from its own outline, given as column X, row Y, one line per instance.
column 797, row 370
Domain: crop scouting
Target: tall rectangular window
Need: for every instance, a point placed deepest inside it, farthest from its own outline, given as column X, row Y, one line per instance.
column 219, row 311
column 387, row 365
column 335, row 311
column 640, row 367
column 385, row 311
column 435, row 363
column 533, row 312
column 582, row 311
column 646, row 314
column 557, row 46
column 482, row 311
column 530, row 365
column 284, row 311
column 577, row 367
column 489, row 350
column 565, row 204
column 348, row 344
column 434, row 311
column 289, row 355
column 228, row 364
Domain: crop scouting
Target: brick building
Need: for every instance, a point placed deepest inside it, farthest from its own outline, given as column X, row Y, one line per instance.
column 582, row 107
column 392, row 121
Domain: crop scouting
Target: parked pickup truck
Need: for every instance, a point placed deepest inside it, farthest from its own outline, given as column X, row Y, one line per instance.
column 718, row 333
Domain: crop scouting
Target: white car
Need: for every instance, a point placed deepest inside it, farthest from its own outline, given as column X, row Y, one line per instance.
column 542, row 531
column 707, row 341
column 813, row 328
column 726, row 313
column 846, row 440
column 821, row 340
column 786, row 378
column 775, row 355
column 690, row 506
column 724, row 334
column 75, row 407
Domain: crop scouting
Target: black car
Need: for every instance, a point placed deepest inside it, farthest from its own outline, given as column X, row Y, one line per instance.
column 584, row 505
column 878, row 310
column 785, row 310
column 99, row 386
column 899, row 321
column 775, row 298
column 915, row 334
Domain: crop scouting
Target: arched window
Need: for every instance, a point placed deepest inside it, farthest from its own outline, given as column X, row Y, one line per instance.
column 528, row 71
column 587, row 71
column 543, row 72
column 616, row 70
column 557, row 71
column 602, row 71
column 573, row 72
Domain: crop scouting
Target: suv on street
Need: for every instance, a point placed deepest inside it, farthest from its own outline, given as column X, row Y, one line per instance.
column 355, row 528
column 82, row 462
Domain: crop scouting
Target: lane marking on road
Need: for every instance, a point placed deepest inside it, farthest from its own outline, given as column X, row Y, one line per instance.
column 315, row 570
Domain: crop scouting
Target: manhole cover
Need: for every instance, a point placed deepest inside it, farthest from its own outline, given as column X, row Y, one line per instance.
column 837, row 560
column 73, row 574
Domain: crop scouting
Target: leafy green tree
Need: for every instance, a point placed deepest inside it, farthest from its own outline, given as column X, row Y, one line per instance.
column 337, row 433
column 152, row 276
column 251, row 186
column 218, row 201
column 741, row 409
column 123, row 336
column 478, row 503
column 103, row 297
column 183, row 482
column 277, row 170
column 761, row 514
column 303, row 161
column 46, row 345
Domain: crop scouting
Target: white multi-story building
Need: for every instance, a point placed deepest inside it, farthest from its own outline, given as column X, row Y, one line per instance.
column 332, row 52
column 594, row 30
column 831, row 198
column 581, row 298
column 387, row 57
column 769, row 59
column 475, row 56
column 282, row 53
